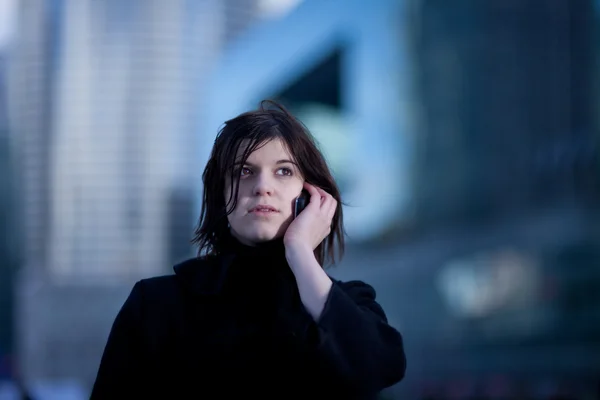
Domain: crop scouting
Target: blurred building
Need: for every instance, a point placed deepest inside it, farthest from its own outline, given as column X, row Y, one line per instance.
column 8, row 233
column 507, row 116
column 9, row 228
column 336, row 76
column 29, row 93
column 106, row 101
column 507, row 163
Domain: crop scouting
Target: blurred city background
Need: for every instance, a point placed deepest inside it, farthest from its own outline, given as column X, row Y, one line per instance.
column 464, row 135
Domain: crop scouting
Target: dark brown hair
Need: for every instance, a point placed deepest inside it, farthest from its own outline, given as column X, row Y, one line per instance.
column 256, row 128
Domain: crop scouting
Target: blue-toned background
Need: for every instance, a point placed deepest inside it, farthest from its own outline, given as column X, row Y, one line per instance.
column 463, row 134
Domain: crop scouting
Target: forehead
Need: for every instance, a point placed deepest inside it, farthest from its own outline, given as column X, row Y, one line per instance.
column 270, row 151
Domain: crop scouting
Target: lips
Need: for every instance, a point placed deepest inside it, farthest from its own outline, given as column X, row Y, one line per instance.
column 263, row 208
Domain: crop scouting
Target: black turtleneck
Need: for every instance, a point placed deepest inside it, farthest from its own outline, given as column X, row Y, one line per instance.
column 260, row 294
column 235, row 324
column 262, row 277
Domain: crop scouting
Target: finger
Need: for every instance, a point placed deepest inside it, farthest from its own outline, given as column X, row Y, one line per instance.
column 325, row 198
column 315, row 197
column 322, row 192
column 330, row 214
column 312, row 190
column 327, row 212
column 326, row 203
column 332, row 208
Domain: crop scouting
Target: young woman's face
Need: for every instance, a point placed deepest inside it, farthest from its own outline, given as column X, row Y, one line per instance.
column 270, row 181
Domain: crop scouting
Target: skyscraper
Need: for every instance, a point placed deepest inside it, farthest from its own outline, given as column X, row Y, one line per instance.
column 105, row 100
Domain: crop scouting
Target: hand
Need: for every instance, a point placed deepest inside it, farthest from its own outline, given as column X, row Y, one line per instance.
column 313, row 224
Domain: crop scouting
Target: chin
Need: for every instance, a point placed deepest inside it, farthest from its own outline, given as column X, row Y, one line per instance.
column 261, row 237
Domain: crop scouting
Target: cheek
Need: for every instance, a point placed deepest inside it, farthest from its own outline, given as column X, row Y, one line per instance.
column 294, row 191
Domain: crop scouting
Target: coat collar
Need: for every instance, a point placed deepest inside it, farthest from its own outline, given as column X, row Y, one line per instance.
column 204, row 275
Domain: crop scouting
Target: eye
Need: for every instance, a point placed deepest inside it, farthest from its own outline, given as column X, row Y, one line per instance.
column 285, row 171
column 245, row 171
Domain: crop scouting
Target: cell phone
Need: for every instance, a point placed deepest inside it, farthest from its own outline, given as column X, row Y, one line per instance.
column 301, row 202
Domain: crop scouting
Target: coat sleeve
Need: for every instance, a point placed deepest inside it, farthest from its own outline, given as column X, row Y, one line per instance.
column 120, row 372
column 356, row 346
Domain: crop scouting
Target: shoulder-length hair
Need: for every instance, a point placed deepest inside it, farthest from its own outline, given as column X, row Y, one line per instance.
column 251, row 130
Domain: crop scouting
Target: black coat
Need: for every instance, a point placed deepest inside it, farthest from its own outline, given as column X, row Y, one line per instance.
column 234, row 324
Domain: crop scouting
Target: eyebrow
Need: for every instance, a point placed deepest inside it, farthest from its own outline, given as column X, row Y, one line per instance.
column 277, row 163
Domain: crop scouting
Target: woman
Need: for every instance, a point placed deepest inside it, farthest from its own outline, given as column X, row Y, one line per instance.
column 255, row 314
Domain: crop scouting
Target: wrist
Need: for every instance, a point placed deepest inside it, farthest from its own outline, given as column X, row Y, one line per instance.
column 298, row 251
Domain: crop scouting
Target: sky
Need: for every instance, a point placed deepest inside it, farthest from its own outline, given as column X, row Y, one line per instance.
column 277, row 8
column 8, row 11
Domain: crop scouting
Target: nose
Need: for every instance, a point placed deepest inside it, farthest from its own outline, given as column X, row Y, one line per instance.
column 263, row 185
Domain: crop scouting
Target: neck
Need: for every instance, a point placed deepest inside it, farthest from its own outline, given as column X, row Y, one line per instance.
column 271, row 249
column 264, row 262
